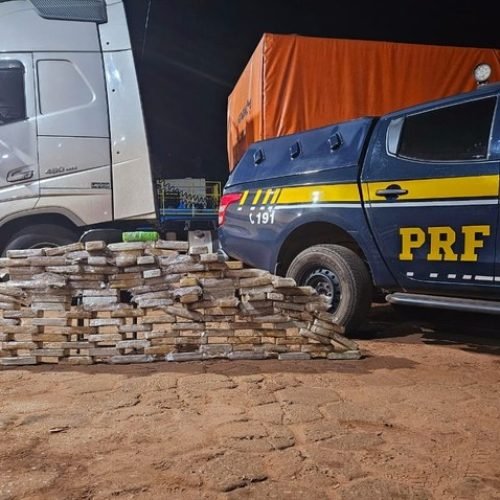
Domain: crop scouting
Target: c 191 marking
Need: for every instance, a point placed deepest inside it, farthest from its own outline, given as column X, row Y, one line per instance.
column 261, row 218
column 441, row 242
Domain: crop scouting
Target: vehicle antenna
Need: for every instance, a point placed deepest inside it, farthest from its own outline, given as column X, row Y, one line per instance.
column 146, row 24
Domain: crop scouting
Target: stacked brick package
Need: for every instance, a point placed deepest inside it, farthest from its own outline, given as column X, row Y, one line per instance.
column 143, row 302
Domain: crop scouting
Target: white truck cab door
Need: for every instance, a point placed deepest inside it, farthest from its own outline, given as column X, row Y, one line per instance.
column 19, row 172
column 73, row 134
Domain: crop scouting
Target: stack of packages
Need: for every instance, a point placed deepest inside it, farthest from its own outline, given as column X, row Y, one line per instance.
column 142, row 302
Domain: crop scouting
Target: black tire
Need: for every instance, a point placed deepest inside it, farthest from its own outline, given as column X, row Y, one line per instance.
column 340, row 273
column 39, row 236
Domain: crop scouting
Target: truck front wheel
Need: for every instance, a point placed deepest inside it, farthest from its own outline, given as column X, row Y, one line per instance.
column 40, row 236
column 340, row 274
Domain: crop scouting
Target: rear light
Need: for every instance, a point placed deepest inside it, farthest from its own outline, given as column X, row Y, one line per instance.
column 225, row 201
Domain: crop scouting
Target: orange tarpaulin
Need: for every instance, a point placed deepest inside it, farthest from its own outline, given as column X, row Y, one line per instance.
column 294, row 83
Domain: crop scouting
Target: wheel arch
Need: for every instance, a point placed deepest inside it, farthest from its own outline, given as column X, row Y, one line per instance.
column 315, row 233
column 14, row 225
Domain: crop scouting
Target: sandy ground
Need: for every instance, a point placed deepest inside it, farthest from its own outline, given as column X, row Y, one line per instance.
column 417, row 418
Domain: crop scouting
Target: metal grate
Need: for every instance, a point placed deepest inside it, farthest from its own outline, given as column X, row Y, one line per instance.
column 72, row 10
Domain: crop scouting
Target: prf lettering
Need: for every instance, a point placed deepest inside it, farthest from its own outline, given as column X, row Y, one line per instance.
column 442, row 241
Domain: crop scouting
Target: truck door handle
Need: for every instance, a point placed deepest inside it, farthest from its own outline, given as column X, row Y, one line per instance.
column 19, row 174
column 392, row 191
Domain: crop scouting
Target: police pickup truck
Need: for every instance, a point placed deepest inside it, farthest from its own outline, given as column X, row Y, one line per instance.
column 407, row 203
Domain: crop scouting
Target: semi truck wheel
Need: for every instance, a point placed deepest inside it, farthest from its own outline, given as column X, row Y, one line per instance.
column 40, row 236
column 340, row 274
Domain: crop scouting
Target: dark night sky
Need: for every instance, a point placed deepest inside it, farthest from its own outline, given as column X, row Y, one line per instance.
column 195, row 50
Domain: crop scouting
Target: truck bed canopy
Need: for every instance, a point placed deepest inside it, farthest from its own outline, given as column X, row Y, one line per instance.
column 294, row 83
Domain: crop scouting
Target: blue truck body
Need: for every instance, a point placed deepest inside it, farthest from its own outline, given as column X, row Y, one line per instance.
column 415, row 194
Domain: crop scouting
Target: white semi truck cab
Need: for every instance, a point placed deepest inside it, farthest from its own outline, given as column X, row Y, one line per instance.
column 73, row 147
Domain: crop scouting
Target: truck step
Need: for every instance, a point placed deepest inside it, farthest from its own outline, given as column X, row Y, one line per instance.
column 440, row 302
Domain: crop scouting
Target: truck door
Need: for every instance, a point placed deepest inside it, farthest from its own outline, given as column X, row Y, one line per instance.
column 73, row 134
column 18, row 141
column 430, row 185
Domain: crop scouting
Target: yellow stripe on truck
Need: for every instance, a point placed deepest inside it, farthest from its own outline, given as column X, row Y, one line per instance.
column 436, row 189
column 483, row 186
column 268, row 195
column 319, row 194
column 244, row 198
column 257, row 197
column 275, row 196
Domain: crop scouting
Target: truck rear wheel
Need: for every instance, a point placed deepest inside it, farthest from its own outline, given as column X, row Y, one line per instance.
column 340, row 274
column 41, row 236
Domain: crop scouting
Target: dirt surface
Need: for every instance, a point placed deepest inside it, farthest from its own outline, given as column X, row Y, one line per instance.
column 417, row 418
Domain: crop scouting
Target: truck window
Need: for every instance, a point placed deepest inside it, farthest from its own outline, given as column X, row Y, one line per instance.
column 62, row 86
column 12, row 98
column 454, row 133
